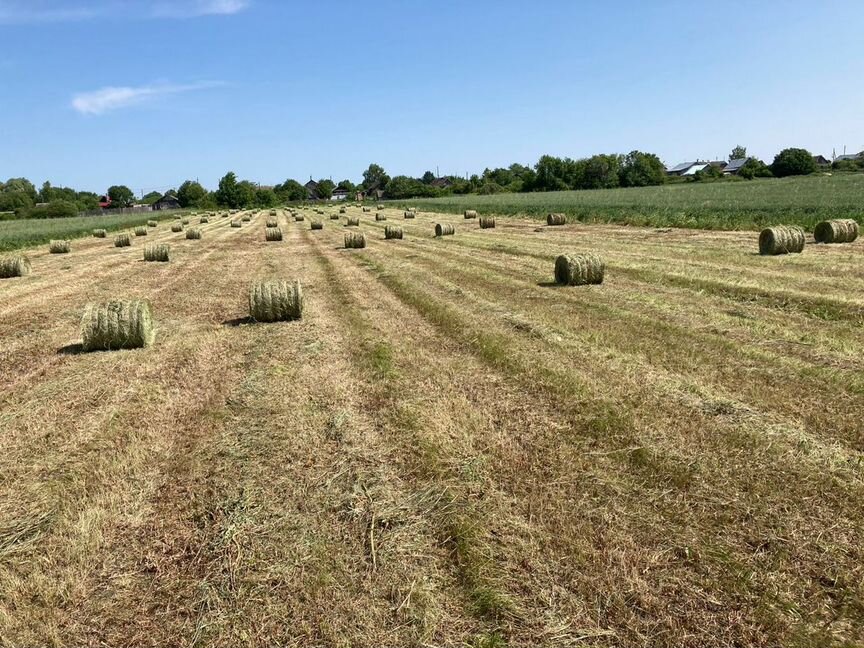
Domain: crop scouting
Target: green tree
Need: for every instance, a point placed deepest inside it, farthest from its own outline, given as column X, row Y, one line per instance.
column 375, row 177
column 246, row 192
column 348, row 186
column 601, row 172
column 21, row 185
column 325, row 189
column 191, row 194
column 754, row 168
column 550, row 174
column 641, row 170
column 428, row 178
column 291, row 190
column 266, row 198
column 793, row 161
column 738, row 153
column 227, row 194
column 121, row 196
column 152, row 196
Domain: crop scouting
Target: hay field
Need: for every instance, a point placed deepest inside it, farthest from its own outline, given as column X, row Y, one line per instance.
column 447, row 449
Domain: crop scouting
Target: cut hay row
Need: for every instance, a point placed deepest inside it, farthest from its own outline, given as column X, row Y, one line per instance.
column 317, row 225
column 59, row 247
column 579, row 269
column 781, row 239
column 275, row 301
column 100, row 233
column 487, row 222
column 272, row 234
column 14, row 266
column 556, row 219
column 176, row 227
column 117, row 324
column 122, row 240
column 443, row 229
column 355, row 240
column 470, row 213
column 140, row 231
column 157, row 252
column 843, row 230
column 193, row 234
column 392, row 232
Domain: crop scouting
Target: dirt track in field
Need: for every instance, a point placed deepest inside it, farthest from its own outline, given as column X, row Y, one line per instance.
column 446, row 450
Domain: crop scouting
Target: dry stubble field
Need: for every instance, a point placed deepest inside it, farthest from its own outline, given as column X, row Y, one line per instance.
column 446, row 450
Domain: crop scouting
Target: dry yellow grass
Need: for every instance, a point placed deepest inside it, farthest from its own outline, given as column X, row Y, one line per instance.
column 650, row 462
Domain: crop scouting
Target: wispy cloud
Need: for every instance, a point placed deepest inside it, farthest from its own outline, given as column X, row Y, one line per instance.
column 13, row 12
column 193, row 8
column 20, row 12
column 111, row 98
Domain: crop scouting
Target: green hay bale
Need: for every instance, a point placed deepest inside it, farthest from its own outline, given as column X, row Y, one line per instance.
column 487, row 222
column 203, row 220
column 379, row 207
column 334, row 216
column 366, row 210
column 409, row 214
column 342, row 210
column 193, row 234
column 442, row 229
column 14, row 266
column 140, row 231
column 352, row 221
column 152, row 223
column 392, row 232
column 355, row 240
column 236, row 223
column 157, row 252
column 299, row 217
column 59, row 247
column 781, row 239
column 272, row 234
column 185, row 221
column 122, row 240
column 579, row 269
column 100, row 233
column 272, row 222
column 470, row 213
column 176, row 227
column 841, row 230
column 117, row 324
column 275, row 301
column 317, row 225
column 380, row 216
column 556, row 219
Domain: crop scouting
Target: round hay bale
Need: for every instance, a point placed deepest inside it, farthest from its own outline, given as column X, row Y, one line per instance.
column 342, row 210
column 275, row 301
column 470, row 213
column 176, row 227
column 271, row 222
column 334, row 216
column 366, row 210
column 352, row 221
column 14, row 266
column 411, row 209
column 157, row 252
column 298, row 218
column 556, row 219
column 236, row 223
column 117, row 324
column 487, row 222
column 841, row 230
column 273, row 213
column 246, row 218
column 272, row 234
column 318, row 225
column 185, row 221
column 781, row 239
column 355, row 240
column 152, row 223
column 579, row 269
column 442, row 229
column 203, row 220
column 380, row 216
column 408, row 214
column 140, row 231
column 193, row 234
column 392, row 232
column 59, row 247
column 100, row 233
column 122, row 240
column 379, row 207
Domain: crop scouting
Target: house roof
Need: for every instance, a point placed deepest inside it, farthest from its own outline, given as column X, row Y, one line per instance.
column 851, row 156
column 678, row 168
column 736, row 164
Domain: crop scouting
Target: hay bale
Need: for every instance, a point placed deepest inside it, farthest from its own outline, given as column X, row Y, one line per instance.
column 781, row 239
column 157, row 252
column 152, row 223
column 379, row 207
column 246, row 218
column 140, row 231
column 442, row 229
column 117, row 324
column 334, row 216
column 236, row 223
column 342, row 210
column 352, row 221
column 579, row 269
column 366, row 210
column 392, row 232
column 59, row 247
column 470, row 213
column 411, row 209
column 14, row 266
column 556, row 219
column 185, row 221
column 487, row 222
column 408, row 214
column 298, row 218
column 271, row 222
column 122, row 240
column 100, row 233
column 275, row 301
column 355, row 240
column 272, row 234
column 318, row 225
column 273, row 212
column 193, row 234
column 380, row 216
column 841, row 230
column 203, row 220
column 176, row 227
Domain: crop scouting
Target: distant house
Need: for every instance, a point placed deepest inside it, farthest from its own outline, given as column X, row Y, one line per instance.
column 168, row 201
column 735, row 165
column 104, row 202
column 686, row 168
column 851, row 157
column 373, row 193
column 821, row 161
column 718, row 164
column 442, row 183
column 339, row 193
column 311, row 190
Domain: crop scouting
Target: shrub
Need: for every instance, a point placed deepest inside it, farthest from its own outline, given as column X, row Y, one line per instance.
column 793, row 161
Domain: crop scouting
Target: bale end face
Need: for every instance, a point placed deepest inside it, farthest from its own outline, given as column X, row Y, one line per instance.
column 275, row 301
column 579, row 269
column 781, row 239
column 59, row 247
column 442, row 229
column 842, row 230
column 117, row 324
column 14, row 266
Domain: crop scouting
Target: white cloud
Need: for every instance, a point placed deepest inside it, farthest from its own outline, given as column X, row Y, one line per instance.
column 111, row 98
column 190, row 9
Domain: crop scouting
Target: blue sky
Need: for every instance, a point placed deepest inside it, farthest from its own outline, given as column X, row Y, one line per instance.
column 149, row 93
